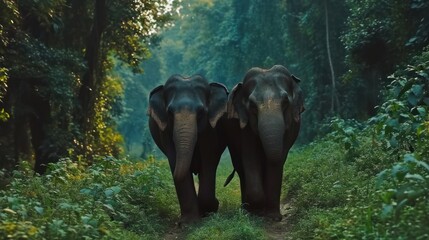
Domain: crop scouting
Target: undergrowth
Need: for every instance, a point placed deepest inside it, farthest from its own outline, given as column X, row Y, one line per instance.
column 368, row 180
column 112, row 199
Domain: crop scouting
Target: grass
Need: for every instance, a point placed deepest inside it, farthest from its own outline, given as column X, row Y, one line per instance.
column 230, row 222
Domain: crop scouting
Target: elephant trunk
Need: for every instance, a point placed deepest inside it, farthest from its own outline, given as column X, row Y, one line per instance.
column 271, row 128
column 185, row 138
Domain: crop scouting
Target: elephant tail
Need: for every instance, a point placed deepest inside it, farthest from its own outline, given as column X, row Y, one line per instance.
column 229, row 178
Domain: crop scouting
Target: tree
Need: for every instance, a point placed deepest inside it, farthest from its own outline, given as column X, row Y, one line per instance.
column 58, row 56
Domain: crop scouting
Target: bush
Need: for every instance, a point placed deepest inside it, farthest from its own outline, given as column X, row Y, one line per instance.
column 372, row 182
column 114, row 199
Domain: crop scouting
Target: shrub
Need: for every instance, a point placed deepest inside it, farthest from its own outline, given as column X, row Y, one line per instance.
column 112, row 199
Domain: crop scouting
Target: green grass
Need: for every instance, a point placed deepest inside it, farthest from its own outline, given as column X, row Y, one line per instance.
column 232, row 225
column 230, row 222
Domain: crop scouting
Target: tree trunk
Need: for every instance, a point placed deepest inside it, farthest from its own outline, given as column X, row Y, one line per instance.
column 334, row 97
column 92, row 77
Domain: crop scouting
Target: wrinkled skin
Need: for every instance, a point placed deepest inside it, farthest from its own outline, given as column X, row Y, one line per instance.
column 264, row 116
column 184, row 123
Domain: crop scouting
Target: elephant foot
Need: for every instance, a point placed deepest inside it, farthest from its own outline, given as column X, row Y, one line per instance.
column 209, row 207
column 253, row 210
column 187, row 220
column 274, row 216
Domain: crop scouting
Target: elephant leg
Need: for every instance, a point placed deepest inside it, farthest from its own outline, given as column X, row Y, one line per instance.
column 210, row 155
column 237, row 162
column 207, row 188
column 187, row 196
column 252, row 165
column 242, row 185
column 273, row 183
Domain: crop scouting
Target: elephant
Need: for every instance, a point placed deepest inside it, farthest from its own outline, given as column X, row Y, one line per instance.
column 264, row 118
column 184, row 121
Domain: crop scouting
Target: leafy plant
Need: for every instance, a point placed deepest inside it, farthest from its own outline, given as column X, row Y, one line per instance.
column 403, row 120
column 346, row 133
column 404, row 191
column 112, row 199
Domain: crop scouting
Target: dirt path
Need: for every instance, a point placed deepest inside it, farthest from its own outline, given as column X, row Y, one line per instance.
column 279, row 230
column 174, row 233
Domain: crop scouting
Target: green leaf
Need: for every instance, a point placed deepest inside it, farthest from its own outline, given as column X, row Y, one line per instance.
column 39, row 210
column 412, row 99
column 112, row 191
column 116, row 189
column 387, row 196
column 347, row 145
column 399, row 171
column 86, row 191
column 423, row 164
column 422, row 111
column 417, row 90
column 381, row 177
column 387, row 211
column 409, row 158
column 65, row 206
column 423, row 74
column 401, row 205
column 108, row 192
column 393, row 142
column 406, row 87
column 109, row 206
column 392, row 123
column 415, row 177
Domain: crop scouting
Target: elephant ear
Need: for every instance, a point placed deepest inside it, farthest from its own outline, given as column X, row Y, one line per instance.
column 157, row 110
column 236, row 107
column 217, row 102
column 297, row 100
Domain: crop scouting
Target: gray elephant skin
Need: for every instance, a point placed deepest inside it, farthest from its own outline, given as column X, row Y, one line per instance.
column 264, row 117
column 184, row 117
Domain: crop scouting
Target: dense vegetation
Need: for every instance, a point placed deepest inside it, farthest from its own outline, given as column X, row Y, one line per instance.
column 74, row 80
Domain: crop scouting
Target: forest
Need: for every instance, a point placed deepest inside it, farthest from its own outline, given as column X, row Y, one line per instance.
column 77, row 160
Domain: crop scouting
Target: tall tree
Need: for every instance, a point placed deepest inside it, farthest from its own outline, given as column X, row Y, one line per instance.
column 58, row 56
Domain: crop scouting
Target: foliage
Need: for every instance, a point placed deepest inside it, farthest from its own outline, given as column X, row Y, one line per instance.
column 403, row 120
column 3, row 86
column 133, row 25
column 48, row 50
column 381, row 171
column 405, row 197
column 345, row 132
column 336, row 198
column 112, row 199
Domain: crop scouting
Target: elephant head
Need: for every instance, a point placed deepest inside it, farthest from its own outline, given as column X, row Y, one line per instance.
column 270, row 103
column 186, row 107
